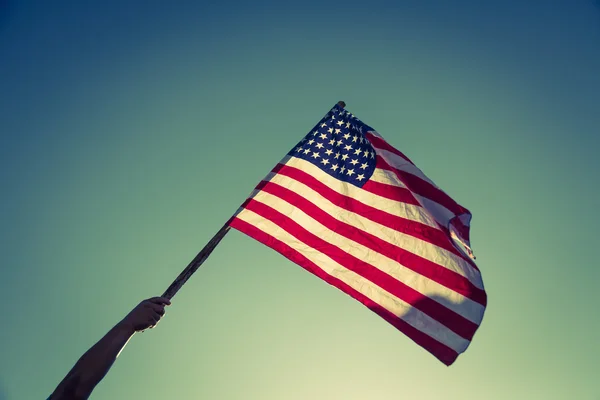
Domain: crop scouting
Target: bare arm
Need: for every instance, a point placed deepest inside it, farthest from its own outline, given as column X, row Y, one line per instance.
column 97, row 361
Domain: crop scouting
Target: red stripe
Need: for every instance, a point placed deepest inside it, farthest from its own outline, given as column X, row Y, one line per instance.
column 435, row 310
column 277, row 168
column 423, row 188
column 382, row 144
column 444, row 353
column 426, row 189
column 391, row 192
column 420, row 265
column 414, row 262
column 412, row 228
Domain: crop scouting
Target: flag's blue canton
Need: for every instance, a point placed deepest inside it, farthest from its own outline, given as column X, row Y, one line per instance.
column 337, row 145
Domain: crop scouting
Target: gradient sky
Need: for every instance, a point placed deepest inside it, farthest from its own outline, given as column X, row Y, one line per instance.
column 131, row 133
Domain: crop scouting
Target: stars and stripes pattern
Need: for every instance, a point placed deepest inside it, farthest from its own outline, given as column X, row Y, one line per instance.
column 357, row 213
column 338, row 147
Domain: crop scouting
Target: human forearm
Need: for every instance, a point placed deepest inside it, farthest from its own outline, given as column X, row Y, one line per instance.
column 94, row 364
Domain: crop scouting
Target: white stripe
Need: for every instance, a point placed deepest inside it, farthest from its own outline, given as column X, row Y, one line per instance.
column 414, row 213
column 408, row 211
column 399, row 161
column 428, row 251
column 437, row 211
column 401, row 164
column 403, row 310
column 387, row 177
column 455, row 301
column 440, row 213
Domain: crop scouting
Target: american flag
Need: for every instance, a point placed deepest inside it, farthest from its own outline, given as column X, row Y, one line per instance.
column 356, row 212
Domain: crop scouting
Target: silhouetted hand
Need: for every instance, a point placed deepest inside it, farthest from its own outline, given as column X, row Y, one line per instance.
column 146, row 314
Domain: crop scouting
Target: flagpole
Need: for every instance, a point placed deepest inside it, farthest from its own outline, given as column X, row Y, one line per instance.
column 196, row 262
column 203, row 255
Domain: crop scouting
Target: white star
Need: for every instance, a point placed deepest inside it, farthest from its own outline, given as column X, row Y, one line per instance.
column 323, row 136
column 364, row 166
column 338, row 131
column 354, row 162
column 306, row 151
column 344, row 156
column 340, row 123
column 325, row 161
column 350, row 172
column 319, row 145
column 311, row 141
column 323, row 125
column 328, row 152
column 346, row 136
column 354, row 139
column 348, row 147
column 339, row 143
column 348, row 125
column 332, row 141
column 330, row 130
column 315, row 154
column 360, row 177
column 342, row 170
column 357, row 152
column 372, row 155
column 334, row 167
column 337, row 155
column 298, row 149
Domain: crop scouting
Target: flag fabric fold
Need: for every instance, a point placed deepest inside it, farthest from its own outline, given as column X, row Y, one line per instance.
column 356, row 212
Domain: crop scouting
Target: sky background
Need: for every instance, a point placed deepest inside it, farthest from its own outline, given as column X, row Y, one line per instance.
column 132, row 130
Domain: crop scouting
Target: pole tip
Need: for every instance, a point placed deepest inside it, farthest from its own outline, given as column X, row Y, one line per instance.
column 341, row 104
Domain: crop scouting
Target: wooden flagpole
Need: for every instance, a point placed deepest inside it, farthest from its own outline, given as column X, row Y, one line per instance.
column 202, row 256
column 196, row 262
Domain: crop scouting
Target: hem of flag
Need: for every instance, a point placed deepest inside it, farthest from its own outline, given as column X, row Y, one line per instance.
column 457, row 237
column 439, row 350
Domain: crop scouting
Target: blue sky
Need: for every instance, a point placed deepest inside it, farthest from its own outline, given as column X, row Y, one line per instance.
column 131, row 131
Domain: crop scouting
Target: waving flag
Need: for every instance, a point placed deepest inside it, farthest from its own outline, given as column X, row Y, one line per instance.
column 354, row 211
